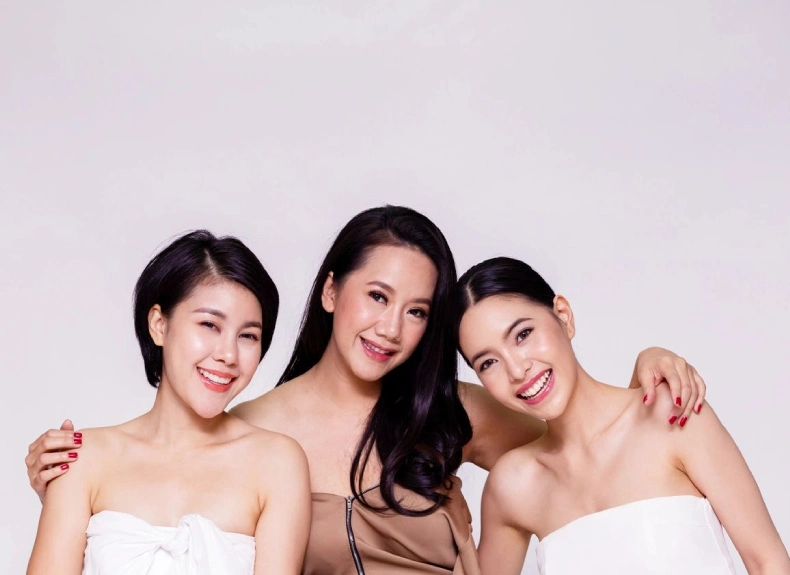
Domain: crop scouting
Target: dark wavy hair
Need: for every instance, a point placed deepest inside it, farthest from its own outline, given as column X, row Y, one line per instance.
column 190, row 260
column 418, row 425
column 497, row 276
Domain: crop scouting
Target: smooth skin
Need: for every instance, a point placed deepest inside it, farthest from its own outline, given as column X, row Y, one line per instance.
column 325, row 409
column 602, row 449
column 186, row 455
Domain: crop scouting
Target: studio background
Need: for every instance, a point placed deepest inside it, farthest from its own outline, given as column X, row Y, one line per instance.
column 635, row 154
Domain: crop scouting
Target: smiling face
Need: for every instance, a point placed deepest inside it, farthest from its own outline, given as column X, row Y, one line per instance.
column 210, row 345
column 380, row 311
column 522, row 353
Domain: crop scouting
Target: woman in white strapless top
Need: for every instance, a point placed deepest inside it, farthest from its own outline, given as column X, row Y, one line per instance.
column 610, row 487
column 186, row 489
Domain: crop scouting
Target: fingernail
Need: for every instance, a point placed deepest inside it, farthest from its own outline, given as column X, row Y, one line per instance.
column 77, row 435
column 699, row 408
column 677, row 401
column 77, row 441
column 644, row 399
column 673, row 419
column 72, row 455
column 65, row 466
column 683, row 421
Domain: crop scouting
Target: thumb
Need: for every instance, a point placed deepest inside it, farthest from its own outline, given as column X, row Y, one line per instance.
column 67, row 425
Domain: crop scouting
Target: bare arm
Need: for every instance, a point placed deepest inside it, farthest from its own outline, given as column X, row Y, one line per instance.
column 716, row 467
column 496, row 429
column 284, row 525
column 60, row 540
column 48, row 453
column 503, row 545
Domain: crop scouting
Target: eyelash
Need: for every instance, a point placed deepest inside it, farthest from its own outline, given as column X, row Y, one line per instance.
column 485, row 365
column 525, row 333
column 381, row 298
column 212, row 325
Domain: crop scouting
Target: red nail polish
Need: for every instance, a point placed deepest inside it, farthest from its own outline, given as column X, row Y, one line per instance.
column 677, row 401
column 644, row 399
column 673, row 419
column 65, row 466
column 77, row 441
column 77, row 434
column 683, row 421
column 699, row 408
column 72, row 455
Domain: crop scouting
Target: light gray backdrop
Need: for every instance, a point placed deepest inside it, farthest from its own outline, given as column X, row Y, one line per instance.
column 635, row 153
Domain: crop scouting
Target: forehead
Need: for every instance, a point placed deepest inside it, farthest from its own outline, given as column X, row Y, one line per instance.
column 226, row 296
column 404, row 269
column 486, row 322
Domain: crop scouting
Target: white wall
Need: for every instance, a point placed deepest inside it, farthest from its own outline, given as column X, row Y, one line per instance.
column 636, row 155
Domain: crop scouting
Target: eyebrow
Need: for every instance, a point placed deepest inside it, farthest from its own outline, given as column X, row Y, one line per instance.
column 510, row 328
column 219, row 314
column 387, row 287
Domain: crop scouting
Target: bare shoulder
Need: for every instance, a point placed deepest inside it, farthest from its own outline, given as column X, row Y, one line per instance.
column 513, row 474
column 268, row 410
column 269, row 450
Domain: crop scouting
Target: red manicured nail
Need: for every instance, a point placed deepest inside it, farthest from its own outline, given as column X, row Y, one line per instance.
column 677, row 401
column 77, row 441
column 72, row 455
column 673, row 419
column 644, row 399
column 77, row 434
column 65, row 466
column 683, row 421
column 699, row 408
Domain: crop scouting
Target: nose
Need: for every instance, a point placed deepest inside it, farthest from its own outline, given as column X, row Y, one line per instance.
column 517, row 367
column 227, row 349
column 390, row 325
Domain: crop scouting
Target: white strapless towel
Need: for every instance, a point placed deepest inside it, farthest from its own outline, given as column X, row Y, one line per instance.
column 678, row 535
column 122, row 544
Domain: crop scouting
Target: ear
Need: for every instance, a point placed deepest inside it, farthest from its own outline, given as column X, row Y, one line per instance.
column 157, row 324
column 564, row 313
column 328, row 293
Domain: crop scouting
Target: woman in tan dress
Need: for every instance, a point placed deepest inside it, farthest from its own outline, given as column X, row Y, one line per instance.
column 370, row 393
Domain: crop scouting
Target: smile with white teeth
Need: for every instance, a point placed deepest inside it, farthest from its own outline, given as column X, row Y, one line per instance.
column 536, row 387
column 375, row 348
column 215, row 378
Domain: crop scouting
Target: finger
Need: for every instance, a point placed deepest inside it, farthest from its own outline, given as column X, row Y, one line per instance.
column 53, row 436
column 673, row 380
column 55, row 458
column 70, row 440
column 702, row 390
column 681, row 367
column 647, row 382
column 691, row 400
column 67, row 425
column 39, row 484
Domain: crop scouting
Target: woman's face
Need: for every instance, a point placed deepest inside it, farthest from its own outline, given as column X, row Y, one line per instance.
column 380, row 311
column 522, row 353
column 211, row 345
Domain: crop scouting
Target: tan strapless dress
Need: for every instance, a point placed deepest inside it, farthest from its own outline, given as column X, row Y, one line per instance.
column 349, row 539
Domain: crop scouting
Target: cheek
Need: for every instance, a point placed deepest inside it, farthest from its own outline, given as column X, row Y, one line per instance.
column 412, row 335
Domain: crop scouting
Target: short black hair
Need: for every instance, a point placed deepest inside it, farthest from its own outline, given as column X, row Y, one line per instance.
column 172, row 275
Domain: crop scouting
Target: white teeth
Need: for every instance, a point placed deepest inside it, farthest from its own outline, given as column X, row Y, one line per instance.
column 536, row 387
column 377, row 349
column 215, row 378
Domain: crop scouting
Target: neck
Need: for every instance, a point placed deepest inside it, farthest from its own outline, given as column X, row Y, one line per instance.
column 591, row 409
column 174, row 424
column 340, row 385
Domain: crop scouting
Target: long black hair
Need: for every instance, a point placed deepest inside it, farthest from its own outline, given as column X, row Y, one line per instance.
column 172, row 275
column 497, row 276
column 418, row 426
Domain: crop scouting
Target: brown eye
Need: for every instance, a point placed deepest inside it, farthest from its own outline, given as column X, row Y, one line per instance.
column 522, row 335
column 485, row 365
column 378, row 296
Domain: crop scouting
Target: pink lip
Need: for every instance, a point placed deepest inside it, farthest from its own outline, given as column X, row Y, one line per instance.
column 542, row 395
column 531, row 382
column 374, row 354
column 215, row 386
